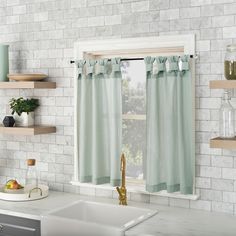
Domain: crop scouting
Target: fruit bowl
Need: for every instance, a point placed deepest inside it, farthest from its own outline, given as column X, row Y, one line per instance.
column 14, row 191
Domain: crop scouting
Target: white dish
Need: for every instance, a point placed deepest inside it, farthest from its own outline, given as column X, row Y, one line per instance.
column 24, row 195
column 27, row 77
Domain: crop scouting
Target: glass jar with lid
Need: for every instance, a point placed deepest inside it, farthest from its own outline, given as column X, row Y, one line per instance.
column 230, row 62
column 31, row 181
column 226, row 117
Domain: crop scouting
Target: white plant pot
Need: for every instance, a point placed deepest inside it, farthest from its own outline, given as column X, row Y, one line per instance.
column 24, row 119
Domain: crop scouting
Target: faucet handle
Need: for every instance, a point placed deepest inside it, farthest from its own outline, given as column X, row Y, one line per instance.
column 118, row 190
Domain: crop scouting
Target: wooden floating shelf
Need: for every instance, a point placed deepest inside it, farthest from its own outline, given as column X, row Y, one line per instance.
column 223, row 84
column 28, row 84
column 30, row 130
column 223, row 143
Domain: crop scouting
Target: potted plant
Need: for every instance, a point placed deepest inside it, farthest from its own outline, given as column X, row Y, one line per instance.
column 23, row 110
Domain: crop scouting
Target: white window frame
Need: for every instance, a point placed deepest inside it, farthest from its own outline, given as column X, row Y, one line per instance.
column 131, row 48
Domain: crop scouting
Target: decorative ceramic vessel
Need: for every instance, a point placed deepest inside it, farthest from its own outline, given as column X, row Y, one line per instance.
column 4, row 62
column 8, row 121
column 24, row 119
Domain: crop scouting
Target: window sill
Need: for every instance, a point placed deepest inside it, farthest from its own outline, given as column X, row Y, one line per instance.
column 139, row 189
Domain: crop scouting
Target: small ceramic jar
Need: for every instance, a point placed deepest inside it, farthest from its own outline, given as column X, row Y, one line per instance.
column 8, row 121
column 230, row 62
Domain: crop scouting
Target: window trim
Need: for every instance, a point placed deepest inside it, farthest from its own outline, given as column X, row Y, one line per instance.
column 139, row 190
column 131, row 47
column 133, row 117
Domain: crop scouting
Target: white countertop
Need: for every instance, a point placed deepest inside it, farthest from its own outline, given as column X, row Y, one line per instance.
column 169, row 221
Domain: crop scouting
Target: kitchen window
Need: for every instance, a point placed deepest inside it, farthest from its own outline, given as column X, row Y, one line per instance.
column 133, row 96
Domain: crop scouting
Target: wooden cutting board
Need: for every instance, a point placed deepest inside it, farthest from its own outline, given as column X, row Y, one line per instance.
column 26, row 77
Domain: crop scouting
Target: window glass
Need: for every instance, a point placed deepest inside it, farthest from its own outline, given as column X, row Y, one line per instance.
column 134, row 117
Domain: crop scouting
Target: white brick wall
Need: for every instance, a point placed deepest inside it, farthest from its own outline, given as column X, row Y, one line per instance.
column 41, row 34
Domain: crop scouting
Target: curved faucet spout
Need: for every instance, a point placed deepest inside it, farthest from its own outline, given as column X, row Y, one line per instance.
column 122, row 190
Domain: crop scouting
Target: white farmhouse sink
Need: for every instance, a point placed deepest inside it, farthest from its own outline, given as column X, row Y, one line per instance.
column 83, row 218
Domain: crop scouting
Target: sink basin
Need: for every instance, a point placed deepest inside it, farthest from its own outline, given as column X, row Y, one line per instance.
column 92, row 219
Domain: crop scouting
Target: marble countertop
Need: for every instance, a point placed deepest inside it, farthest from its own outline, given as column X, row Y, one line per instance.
column 169, row 221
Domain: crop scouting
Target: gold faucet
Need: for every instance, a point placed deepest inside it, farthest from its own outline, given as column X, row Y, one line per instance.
column 122, row 190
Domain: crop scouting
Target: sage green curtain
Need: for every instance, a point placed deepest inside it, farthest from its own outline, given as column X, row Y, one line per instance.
column 170, row 146
column 100, row 121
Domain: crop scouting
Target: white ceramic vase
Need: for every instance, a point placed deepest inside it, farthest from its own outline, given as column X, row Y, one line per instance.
column 24, row 119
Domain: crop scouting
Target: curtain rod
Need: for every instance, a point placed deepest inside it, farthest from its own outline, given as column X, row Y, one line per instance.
column 137, row 59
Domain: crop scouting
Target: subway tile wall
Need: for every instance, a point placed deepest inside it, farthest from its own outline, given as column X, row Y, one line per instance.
column 41, row 34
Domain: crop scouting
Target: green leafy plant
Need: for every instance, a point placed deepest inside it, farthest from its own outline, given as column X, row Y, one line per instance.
column 20, row 105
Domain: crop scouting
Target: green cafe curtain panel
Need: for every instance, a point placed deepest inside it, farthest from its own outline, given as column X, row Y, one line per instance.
column 170, row 147
column 100, row 120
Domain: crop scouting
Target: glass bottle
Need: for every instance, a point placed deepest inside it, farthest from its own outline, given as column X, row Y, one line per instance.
column 230, row 62
column 226, row 117
column 31, row 180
